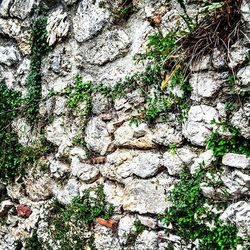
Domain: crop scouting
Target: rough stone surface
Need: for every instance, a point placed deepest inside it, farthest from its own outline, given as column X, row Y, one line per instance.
column 206, row 85
column 90, row 19
column 146, row 165
column 8, row 55
column 165, row 135
column 57, row 26
column 198, row 125
column 58, row 169
column 125, row 225
column 241, row 120
column 236, row 182
column 236, row 161
column 59, row 132
column 105, row 238
column 21, row 8
column 137, row 165
column 100, row 104
column 106, row 48
column 238, row 54
column 139, row 194
column 85, row 172
column 38, row 189
column 239, row 213
column 204, row 160
column 66, row 193
column 146, row 240
column 243, row 76
column 97, row 136
column 5, row 206
column 4, row 7
column 128, row 136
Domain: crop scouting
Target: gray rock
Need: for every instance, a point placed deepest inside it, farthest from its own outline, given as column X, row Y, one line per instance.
column 147, row 196
column 237, row 54
column 146, row 165
column 24, row 131
column 10, row 27
column 239, row 213
column 60, row 105
column 244, row 78
column 186, row 155
column 22, row 8
column 219, row 60
column 148, row 221
column 5, row 206
column 100, row 104
column 173, row 163
column 9, row 55
column 127, row 136
column 106, row 48
column 70, row 2
column 97, row 136
column 60, row 132
column 236, row 161
column 114, row 193
column 232, row 185
column 147, row 240
column 38, row 188
column 105, row 238
column 4, row 7
column 85, row 172
column 203, row 161
column 236, row 182
column 66, row 193
column 79, row 152
column 58, row 169
column 198, row 125
column 89, row 19
column 163, row 134
column 241, row 120
column 125, row 227
column 57, row 26
column 206, row 85
column 245, row 10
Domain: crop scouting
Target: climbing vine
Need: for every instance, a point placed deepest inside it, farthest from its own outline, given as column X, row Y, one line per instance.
column 192, row 218
column 39, row 48
column 71, row 225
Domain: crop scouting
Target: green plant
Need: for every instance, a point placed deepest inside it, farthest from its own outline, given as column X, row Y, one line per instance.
column 33, row 242
column 231, row 81
column 79, row 97
column 136, row 230
column 70, row 223
column 192, row 220
column 11, row 151
column 235, row 142
column 39, row 48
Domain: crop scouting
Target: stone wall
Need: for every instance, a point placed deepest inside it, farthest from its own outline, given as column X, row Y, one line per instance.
column 130, row 161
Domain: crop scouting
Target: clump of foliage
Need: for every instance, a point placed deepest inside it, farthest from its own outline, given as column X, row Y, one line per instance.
column 192, row 220
column 15, row 158
column 80, row 93
column 11, row 151
column 33, row 242
column 71, row 224
column 234, row 142
column 39, row 48
column 136, row 230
